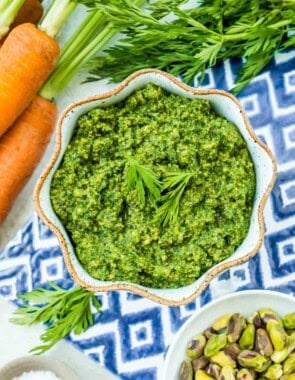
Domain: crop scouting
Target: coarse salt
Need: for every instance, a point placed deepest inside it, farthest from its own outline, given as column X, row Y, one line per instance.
column 37, row 375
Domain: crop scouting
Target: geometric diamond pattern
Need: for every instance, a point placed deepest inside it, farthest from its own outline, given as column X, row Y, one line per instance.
column 131, row 335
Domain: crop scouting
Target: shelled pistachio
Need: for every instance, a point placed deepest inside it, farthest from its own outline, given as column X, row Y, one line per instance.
column 202, row 375
column 222, row 359
column 255, row 319
column 288, row 377
column 232, row 350
column 213, row 370
column 280, row 356
column 247, row 338
column 258, row 347
column 274, row 372
column 245, row 374
column 200, row 362
column 289, row 321
column 289, row 364
column 263, row 344
column 227, row 373
column 277, row 334
column 186, row 370
column 209, row 332
column 215, row 344
column 196, row 346
column 236, row 325
column 221, row 323
column 252, row 359
column 268, row 315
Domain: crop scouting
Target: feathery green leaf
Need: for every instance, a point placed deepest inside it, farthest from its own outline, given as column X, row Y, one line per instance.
column 64, row 311
column 143, row 179
column 172, row 190
column 185, row 40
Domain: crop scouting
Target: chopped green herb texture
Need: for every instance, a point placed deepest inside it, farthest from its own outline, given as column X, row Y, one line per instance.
column 155, row 189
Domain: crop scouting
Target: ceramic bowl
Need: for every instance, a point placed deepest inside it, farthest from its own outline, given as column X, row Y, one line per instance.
column 17, row 367
column 244, row 302
column 226, row 105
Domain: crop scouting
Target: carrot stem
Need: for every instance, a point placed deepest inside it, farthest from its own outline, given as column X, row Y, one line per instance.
column 4, row 4
column 93, row 23
column 56, row 15
column 85, row 49
column 8, row 12
column 62, row 75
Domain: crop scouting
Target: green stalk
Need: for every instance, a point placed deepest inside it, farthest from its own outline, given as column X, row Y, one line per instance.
column 4, row 4
column 94, row 21
column 235, row 37
column 56, row 15
column 62, row 75
column 245, row 35
column 280, row 24
column 8, row 12
column 87, row 47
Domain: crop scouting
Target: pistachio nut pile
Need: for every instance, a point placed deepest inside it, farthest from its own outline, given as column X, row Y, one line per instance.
column 261, row 346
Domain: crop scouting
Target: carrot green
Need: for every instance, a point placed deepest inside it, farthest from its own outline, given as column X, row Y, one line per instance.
column 63, row 310
column 185, row 39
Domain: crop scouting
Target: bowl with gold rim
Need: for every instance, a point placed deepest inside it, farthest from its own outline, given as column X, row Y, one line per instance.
column 155, row 187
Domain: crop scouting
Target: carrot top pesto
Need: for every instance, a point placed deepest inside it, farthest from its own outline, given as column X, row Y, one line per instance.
column 154, row 190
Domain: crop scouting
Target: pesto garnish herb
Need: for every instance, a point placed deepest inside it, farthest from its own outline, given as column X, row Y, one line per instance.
column 172, row 191
column 144, row 180
column 166, row 195
column 63, row 310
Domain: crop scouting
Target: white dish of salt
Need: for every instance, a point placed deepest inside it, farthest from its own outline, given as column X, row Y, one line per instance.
column 37, row 368
column 37, row 375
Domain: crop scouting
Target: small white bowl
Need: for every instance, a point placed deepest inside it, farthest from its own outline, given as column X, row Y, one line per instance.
column 225, row 104
column 244, row 302
column 17, row 367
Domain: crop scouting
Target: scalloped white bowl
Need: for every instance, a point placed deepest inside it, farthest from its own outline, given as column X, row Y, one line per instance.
column 244, row 302
column 226, row 105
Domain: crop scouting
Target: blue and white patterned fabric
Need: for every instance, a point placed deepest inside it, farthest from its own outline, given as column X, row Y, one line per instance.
column 131, row 335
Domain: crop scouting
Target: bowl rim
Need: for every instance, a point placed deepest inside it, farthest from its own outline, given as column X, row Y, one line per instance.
column 45, row 361
column 131, row 287
column 217, row 301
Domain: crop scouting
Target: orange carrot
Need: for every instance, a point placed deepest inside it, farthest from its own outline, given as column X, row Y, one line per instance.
column 27, row 57
column 31, row 11
column 21, row 149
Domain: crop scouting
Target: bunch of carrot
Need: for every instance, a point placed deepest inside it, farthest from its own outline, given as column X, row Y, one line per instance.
column 33, row 71
column 27, row 57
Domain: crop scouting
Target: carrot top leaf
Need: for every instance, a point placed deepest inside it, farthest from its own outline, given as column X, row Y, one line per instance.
column 174, row 184
column 185, row 39
column 144, row 180
column 56, row 15
column 64, row 311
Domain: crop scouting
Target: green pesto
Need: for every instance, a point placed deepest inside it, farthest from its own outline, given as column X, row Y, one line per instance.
column 114, row 234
